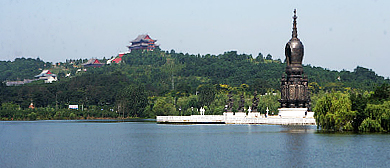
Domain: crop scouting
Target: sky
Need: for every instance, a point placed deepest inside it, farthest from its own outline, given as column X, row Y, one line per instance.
column 336, row 34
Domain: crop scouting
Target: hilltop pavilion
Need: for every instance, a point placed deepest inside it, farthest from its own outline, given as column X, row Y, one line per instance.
column 143, row 42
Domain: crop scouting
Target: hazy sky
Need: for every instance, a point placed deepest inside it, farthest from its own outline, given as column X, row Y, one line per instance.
column 336, row 34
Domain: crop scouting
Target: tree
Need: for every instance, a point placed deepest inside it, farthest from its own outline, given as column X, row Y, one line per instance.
column 268, row 57
column 260, row 58
column 32, row 116
column 376, row 114
column 206, row 94
column 261, row 86
column 3, row 92
column 162, row 107
column 133, row 99
column 271, row 101
column 218, row 105
column 314, row 87
column 381, row 93
column 183, row 88
column 358, row 104
column 370, row 125
column 385, row 117
column 333, row 112
column 185, row 103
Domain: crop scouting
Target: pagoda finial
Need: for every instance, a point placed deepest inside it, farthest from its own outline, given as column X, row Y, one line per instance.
column 295, row 32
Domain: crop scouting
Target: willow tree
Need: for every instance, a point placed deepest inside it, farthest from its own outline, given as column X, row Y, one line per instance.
column 334, row 112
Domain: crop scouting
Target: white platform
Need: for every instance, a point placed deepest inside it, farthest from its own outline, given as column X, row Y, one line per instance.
column 229, row 118
column 293, row 112
column 254, row 115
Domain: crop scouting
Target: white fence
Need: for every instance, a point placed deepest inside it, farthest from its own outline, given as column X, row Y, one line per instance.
column 193, row 118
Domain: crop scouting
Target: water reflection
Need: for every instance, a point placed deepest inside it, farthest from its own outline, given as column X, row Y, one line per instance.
column 296, row 142
column 298, row 129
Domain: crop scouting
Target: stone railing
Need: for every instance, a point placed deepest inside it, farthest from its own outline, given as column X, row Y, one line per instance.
column 235, row 120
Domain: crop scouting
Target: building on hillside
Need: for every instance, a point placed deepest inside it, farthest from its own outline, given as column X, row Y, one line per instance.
column 31, row 106
column 117, row 59
column 47, row 76
column 92, row 63
column 17, row 83
column 143, row 42
column 14, row 83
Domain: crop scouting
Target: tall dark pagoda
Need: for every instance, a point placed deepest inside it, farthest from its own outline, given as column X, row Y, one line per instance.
column 294, row 86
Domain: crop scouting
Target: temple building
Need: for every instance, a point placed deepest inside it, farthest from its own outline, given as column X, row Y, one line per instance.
column 143, row 42
column 117, row 59
column 92, row 63
column 295, row 99
column 47, row 76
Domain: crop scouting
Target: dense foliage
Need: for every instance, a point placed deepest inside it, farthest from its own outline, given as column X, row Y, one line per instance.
column 351, row 111
column 150, row 83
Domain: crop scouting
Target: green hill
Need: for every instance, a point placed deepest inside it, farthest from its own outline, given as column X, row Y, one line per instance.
column 165, row 81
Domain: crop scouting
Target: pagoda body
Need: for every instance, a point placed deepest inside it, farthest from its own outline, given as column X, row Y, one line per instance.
column 295, row 99
column 143, row 42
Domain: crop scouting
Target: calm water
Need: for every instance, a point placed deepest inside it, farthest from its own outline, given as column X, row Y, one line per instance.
column 140, row 144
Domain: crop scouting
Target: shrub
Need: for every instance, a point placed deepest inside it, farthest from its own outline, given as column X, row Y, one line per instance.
column 32, row 116
column 370, row 125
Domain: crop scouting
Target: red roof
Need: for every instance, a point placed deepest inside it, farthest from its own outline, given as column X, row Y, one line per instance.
column 96, row 62
column 117, row 60
column 92, row 63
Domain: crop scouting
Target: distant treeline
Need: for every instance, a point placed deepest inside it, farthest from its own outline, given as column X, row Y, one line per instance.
column 9, row 111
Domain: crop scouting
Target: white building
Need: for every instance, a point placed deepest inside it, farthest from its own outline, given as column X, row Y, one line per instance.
column 47, row 76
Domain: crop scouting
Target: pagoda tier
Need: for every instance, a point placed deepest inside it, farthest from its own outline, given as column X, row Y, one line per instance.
column 143, row 42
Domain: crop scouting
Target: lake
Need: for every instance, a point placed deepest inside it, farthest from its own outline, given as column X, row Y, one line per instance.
column 147, row 144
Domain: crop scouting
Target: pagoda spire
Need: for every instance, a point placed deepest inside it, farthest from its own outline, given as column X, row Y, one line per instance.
column 295, row 32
